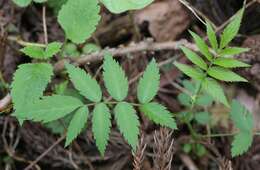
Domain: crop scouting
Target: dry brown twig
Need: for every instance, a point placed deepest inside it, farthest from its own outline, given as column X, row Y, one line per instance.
column 139, row 154
column 188, row 162
column 44, row 24
column 163, row 149
column 5, row 102
column 33, row 163
column 144, row 46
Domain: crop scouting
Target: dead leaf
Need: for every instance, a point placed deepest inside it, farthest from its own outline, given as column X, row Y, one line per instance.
column 167, row 19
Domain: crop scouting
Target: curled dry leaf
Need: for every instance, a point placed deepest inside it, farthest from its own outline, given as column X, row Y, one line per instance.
column 167, row 19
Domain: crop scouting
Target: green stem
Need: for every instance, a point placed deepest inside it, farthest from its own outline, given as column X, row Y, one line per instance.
column 25, row 43
column 195, row 96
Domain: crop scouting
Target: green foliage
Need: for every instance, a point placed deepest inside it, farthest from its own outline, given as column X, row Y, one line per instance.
column 114, row 78
column 230, row 51
column 231, row 30
column 202, row 117
column 41, row 53
column 199, row 149
column 79, row 18
column 225, row 74
column 33, row 51
column 204, row 49
column 50, row 108
column 159, row 114
column 128, row 123
column 241, row 117
column 212, row 87
column 90, row 48
column 101, row 125
column 220, row 63
column 186, row 99
column 189, row 71
column 83, row 82
column 28, row 84
column 52, row 49
column 212, row 36
column 59, row 126
column 76, row 125
column 229, row 63
column 243, row 120
column 241, row 143
column 70, row 50
column 56, row 5
column 149, row 83
column 194, row 58
column 116, row 7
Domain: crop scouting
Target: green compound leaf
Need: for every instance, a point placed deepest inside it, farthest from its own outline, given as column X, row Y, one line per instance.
column 230, row 51
column 212, row 36
column 158, row 114
column 83, row 82
column 50, row 108
column 241, row 143
column 189, row 71
column 225, row 75
column 41, row 53
column 194, row 58
column 76, row 125
column 114, row 78
column 28, row 84
column 52, row 49
column 204, row 49
column 229, row 63
column 212, row 87
column 122, row 6
column 79, row 19
column 128, row 123
column 231, row 30
column 101, row 124
column 149, row 83
column 241, row 117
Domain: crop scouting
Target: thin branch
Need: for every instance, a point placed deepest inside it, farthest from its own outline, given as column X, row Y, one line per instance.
column 44, row 24
column 194, row 11
column 45, row 153
column 21, row 42
column 5, row 102
column 143, row 46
